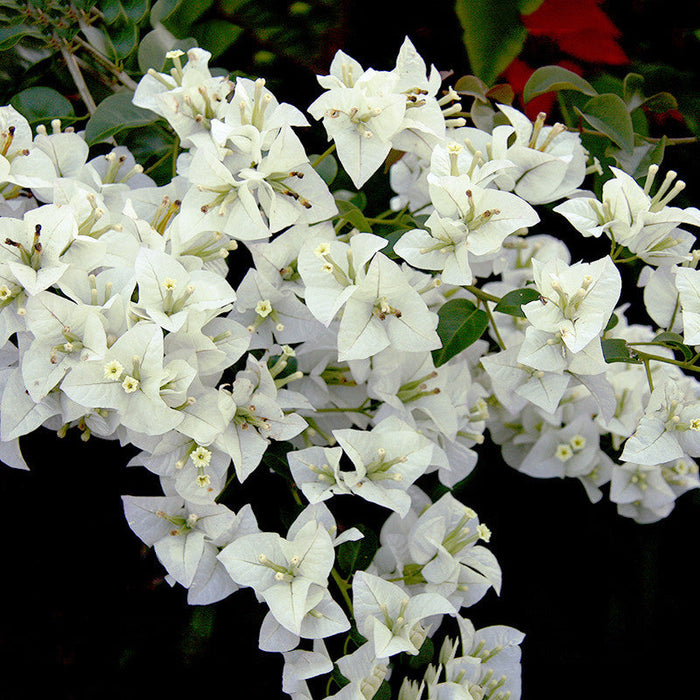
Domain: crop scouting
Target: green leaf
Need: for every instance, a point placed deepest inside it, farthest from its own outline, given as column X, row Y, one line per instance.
column 42, row 104
column 632, row 90
column 527, row 7
column 275, row 458
column 553, row 79
column 180, row 20
column 460, row 324
column 660, row 102
column 493, row 35
column 9, row 36
column 383, row 692
column 609, row 114
column 424, row 655
column 472, row 86
column 675, row 342
column 353, row 215
column 123, row 39
column 114, row 114
column 612, row 322
column 616, row 350
column 217, row 35
column 327, row 168
column 156, row 44
column 512, row 302
column 358, row 554
column 643, row 155
column 162, row 10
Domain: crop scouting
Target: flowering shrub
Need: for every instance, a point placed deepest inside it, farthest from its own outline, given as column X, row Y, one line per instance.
column 371, row 355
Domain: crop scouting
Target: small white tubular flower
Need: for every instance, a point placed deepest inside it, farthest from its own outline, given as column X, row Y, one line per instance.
column 576, row 301
column 389, row 617
column 688, row 285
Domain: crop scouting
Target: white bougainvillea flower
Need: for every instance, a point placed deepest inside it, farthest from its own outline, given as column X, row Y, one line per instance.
column 390, row 617
column 576, row 301
column 688, row 284
column 669, row 428
column 361, row 113
column 550, row 162
column 384, row 310
column 387, row 460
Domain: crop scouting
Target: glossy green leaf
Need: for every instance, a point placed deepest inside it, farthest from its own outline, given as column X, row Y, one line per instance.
column 114, row 114
column 472, row 86
column 512, row 302
column 612, row 322
column 675, row 342
column 616, row 350
column 42, row 104
column 424, row 655
column 9, row 36
column 327, row 168
column 353, row 215
column 217, row 35
column 123, row 39
column 553, row 79
column 660, row 102
column 493, row 35
column 632, row 90
column 609, row 114
column 357, row 555
column 460, row 325
column 156, row 44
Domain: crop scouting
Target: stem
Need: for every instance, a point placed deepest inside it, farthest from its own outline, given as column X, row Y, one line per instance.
column 645, row 356
column 78, row 79
column 357, row 409
column 501, row 344
column 648, row 371
column 327, row 152
column 229, row 481
column 343, row 586
column 648, row 139
column 175, row 152
column 119, row 74
column 675, row 312
column 484, row 296
column 160, row 160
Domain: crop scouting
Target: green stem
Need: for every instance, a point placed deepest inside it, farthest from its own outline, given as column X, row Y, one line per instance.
column 175, row 152
column 160, row 160
column 501, row 344
column 675, row 312
column 479, row 294
column 647, row 369
column 327, row 152
column 229, row 481
column 645, row 356
column 343, row 586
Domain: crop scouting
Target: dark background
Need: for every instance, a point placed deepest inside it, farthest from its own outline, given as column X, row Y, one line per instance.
column 609, row 607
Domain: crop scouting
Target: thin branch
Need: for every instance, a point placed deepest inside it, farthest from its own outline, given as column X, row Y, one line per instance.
column 78, row 79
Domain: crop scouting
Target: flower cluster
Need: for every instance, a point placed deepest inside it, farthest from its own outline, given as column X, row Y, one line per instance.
column 116, row 319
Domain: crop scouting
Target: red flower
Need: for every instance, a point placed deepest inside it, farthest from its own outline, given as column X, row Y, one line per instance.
column 580, row 29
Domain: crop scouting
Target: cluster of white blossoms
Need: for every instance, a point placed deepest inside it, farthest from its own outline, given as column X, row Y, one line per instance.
column 116, row 319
